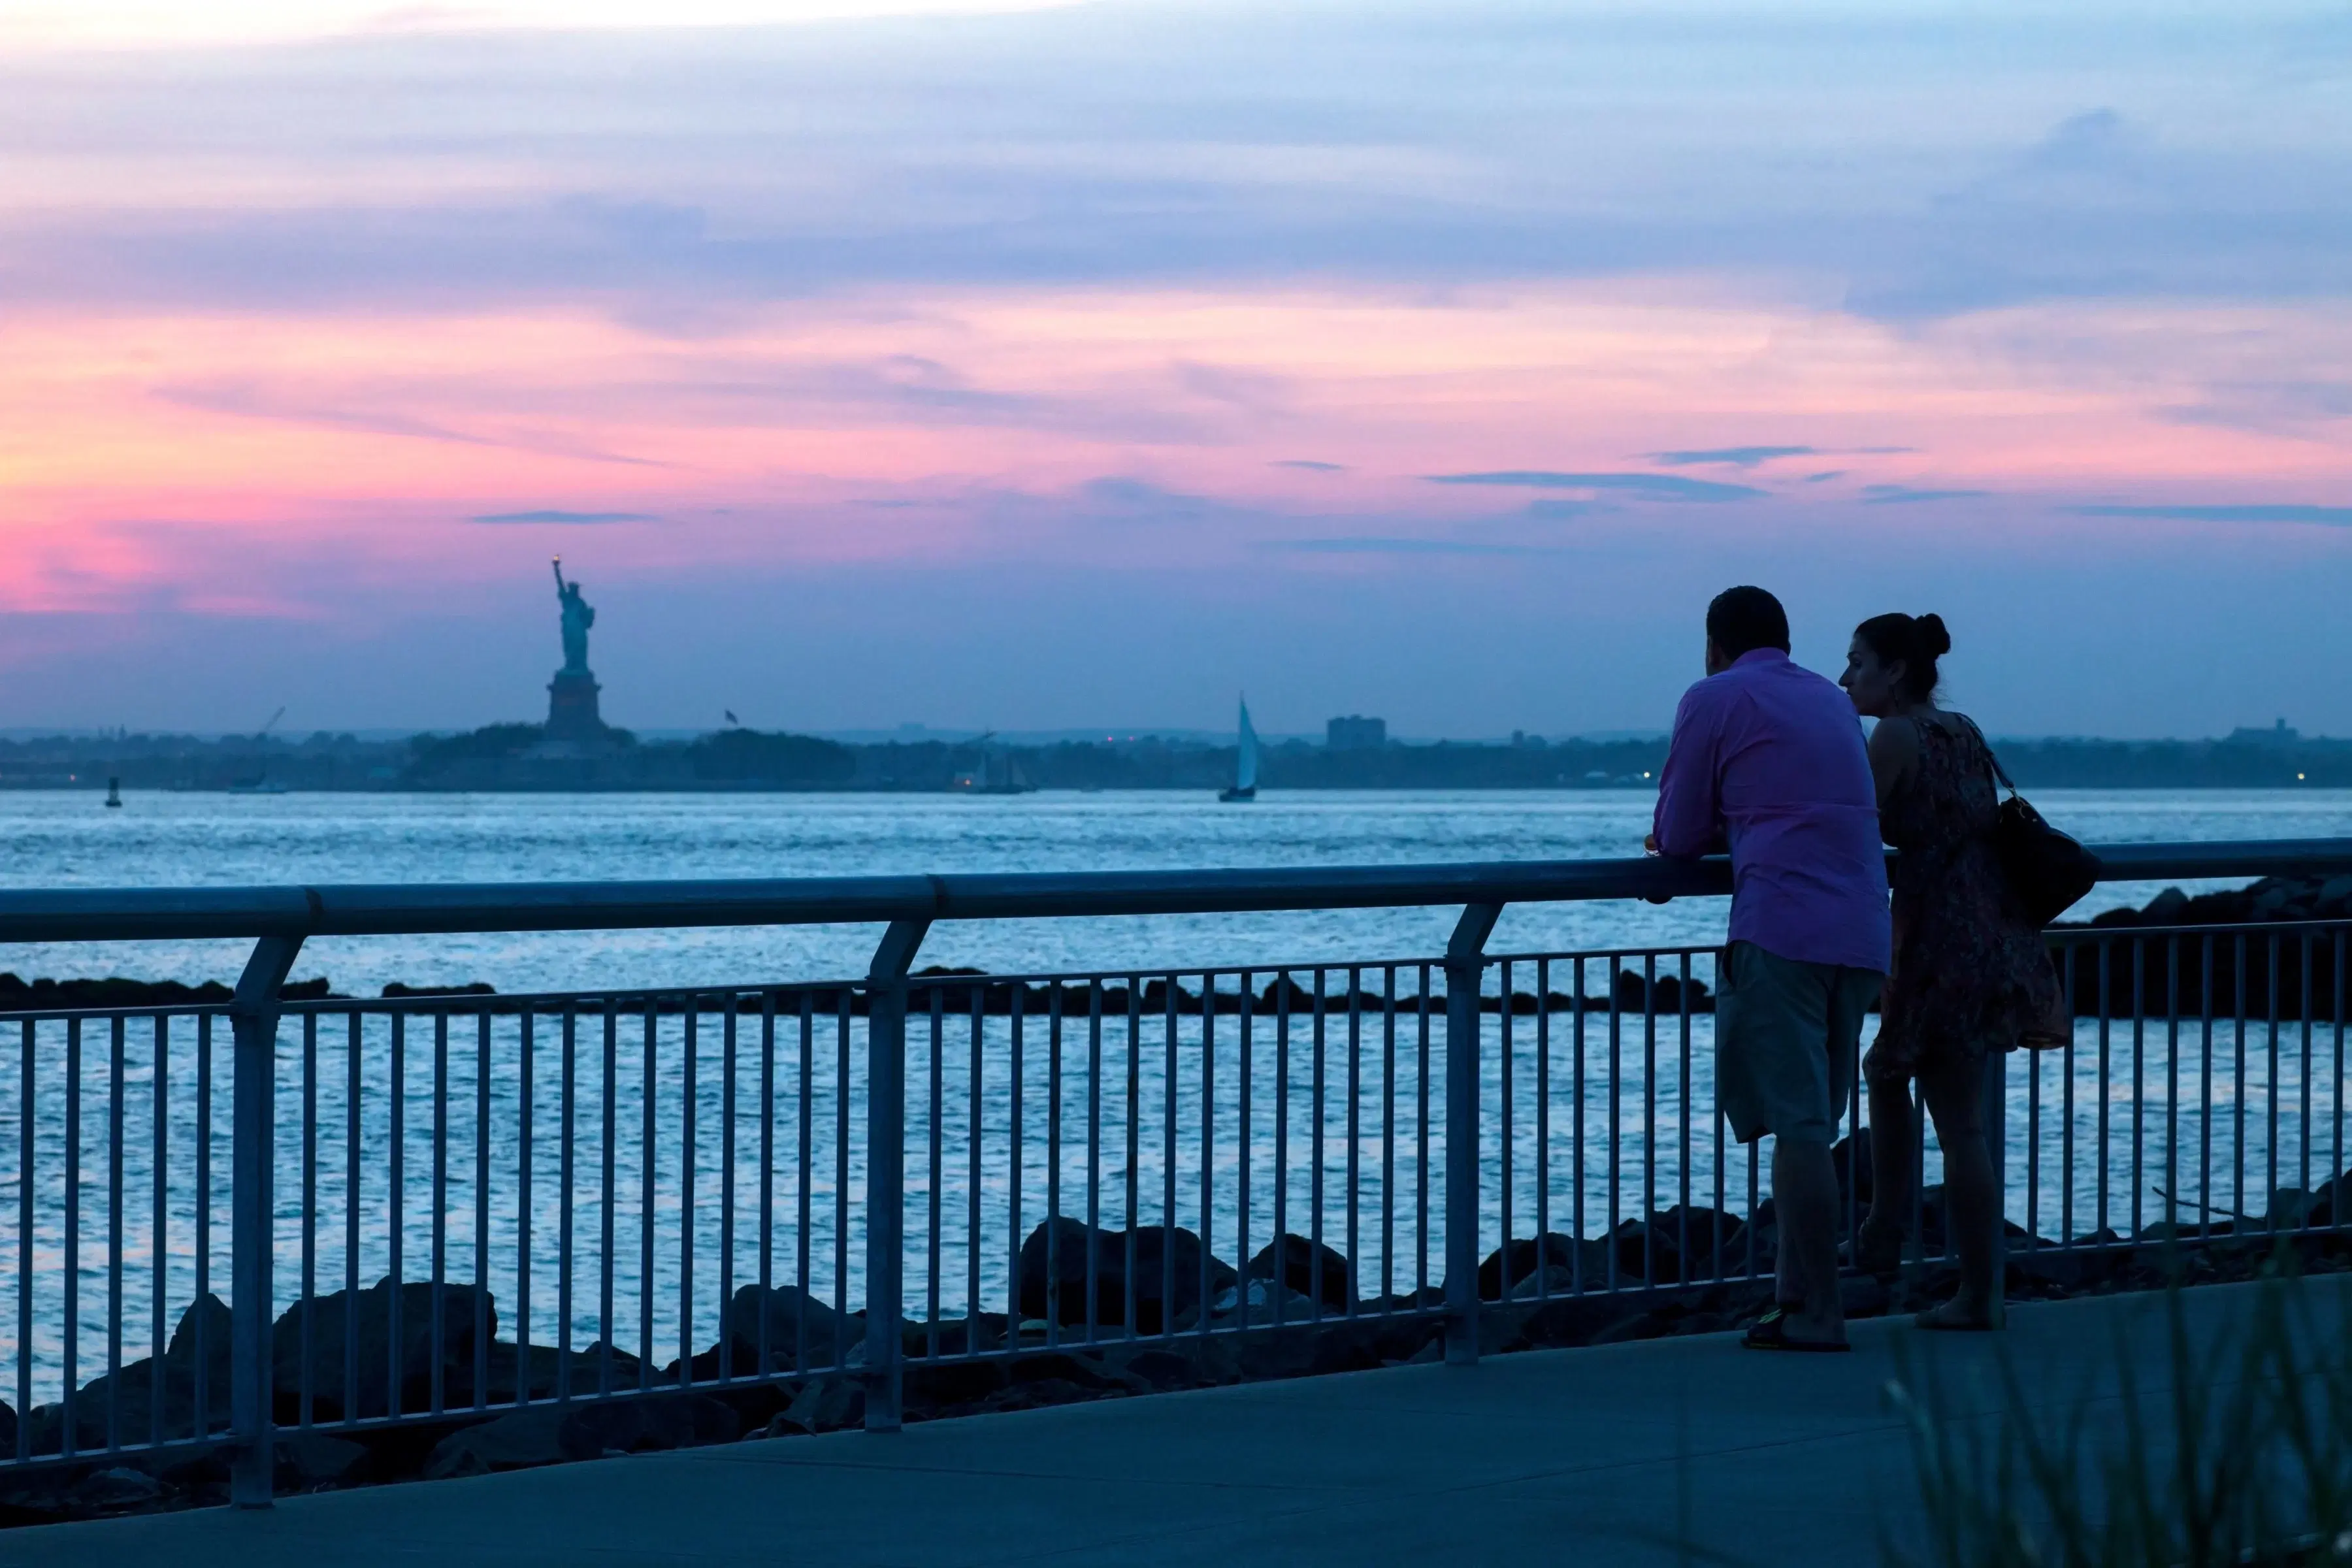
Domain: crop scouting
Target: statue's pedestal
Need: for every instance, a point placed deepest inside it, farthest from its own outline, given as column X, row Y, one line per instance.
column 572, row 707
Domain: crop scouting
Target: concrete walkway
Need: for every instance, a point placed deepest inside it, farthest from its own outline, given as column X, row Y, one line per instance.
column 1542, row 1456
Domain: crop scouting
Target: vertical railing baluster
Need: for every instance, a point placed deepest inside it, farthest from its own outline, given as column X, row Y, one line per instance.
column 1016, row 1147
column 440, row 1210
column 648, row 1164
column 1388, row 1133
column 727, row 1188
column 1420, row 1134
column 2270, row 1084
column 768, row 1171
column 483, row 1328
column 27, row 1166
column 1576, row 1133
column 1544, row 1260
column 2238, row 1099
column 1208, row 1139
column 202, row 1425
column 1171, row 1076
column 607, row 1330
column 1134, row 1146
column 1052, row 1163
column 395, row 1184
column 305, row 1391
column 1315, row 1194
column 934, row 1248
column 2205, row 1093
column 1244, row 1195
column 114, row 1120
column 689, row 1101
column 805, row 1157
column 354, row 1200
column 160, row 1111
column 974, row 1218
column 1507, row 1130
column 568, row 1109
column 1094, row 1154
column 2171, row 1089
column 1616, row 1102
column 1281, row 1123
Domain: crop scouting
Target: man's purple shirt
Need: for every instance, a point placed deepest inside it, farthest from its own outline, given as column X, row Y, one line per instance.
column 1767, row 758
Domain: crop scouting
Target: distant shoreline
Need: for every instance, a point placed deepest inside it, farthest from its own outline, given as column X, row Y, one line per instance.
column 524, row 759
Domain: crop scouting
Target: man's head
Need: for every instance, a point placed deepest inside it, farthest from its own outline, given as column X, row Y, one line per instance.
column 1742, row 620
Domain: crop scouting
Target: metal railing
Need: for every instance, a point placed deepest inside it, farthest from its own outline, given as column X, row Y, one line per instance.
column 438, row 1205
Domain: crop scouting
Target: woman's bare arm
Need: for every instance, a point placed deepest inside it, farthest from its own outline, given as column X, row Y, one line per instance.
column 1894, row 753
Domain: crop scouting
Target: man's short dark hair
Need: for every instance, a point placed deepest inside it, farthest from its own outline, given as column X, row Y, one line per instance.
column 1743, row 619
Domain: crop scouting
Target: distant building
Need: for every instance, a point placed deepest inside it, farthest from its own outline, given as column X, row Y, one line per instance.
column 1356, row 733
column 2277, row 736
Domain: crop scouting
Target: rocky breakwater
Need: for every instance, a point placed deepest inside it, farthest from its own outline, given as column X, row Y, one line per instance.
column 2177, row 952
column 785, row 1363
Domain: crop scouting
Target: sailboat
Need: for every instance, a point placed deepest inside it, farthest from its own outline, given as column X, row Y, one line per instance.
column 1244, row 763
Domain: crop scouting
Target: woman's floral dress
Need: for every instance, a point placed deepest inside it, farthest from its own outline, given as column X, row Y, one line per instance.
column 1971, row 971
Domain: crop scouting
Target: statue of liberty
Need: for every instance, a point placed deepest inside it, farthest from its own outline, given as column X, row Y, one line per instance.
column 572, row 713
column 578, row 617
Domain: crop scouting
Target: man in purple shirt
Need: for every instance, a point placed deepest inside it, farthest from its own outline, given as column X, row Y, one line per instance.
column 1768, row 760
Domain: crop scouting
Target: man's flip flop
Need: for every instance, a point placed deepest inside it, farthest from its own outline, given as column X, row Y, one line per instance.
column 1770, row 1332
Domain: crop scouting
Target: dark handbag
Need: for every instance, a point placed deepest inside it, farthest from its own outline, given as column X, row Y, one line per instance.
column 2047, row 870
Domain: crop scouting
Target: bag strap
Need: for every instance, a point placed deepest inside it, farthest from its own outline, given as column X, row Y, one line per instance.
column 1992, row 760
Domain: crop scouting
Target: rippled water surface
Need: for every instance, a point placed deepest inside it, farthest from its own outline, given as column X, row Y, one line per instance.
column 68, row 839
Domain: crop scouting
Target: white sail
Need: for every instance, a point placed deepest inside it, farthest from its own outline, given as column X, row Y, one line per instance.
column 1246, row 762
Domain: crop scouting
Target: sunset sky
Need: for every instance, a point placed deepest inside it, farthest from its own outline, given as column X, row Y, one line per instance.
column 1037, row 365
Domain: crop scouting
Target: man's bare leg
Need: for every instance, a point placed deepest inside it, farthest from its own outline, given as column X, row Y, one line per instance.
column 1805, row 1201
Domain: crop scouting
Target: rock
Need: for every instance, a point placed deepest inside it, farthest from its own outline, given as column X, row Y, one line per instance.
column 1308, row 1267
column 116, row 1488
column 1522, row 1257
column 1160, row 1369
column 2335, row 899
column 2165, row 909
column 517, row 1440
column 801, row 1330
column 308, row 1460
column 1166, row 1285
column 657, row 1422
column 8, row 1429
column 366, row 1320
column 550, row 1434
column 1259, row 1302
column 827, row 1404
column 202, row 1333
column 1553, row 1281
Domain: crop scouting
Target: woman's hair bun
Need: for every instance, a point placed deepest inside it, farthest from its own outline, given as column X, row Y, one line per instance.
column 1933, row 640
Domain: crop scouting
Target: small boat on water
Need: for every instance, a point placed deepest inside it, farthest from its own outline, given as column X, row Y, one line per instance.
column 1000, row 772
column 1245, row 787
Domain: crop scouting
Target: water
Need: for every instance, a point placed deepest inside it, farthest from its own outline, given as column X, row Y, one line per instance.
column 60, row 839
column 778, row 1163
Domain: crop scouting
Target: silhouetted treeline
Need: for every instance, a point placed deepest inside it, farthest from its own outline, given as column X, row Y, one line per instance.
column 520, row 757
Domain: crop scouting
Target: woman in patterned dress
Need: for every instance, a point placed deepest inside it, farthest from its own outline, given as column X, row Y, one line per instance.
column 1970, row 974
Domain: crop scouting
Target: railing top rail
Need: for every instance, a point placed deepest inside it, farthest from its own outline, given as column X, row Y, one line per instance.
column 428, row 908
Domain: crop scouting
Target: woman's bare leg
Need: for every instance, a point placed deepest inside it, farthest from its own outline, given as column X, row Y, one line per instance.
column 1893, row 1141
column 1971, row 1196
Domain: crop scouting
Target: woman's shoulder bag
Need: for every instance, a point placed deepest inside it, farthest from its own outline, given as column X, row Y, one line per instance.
column 2046, row 870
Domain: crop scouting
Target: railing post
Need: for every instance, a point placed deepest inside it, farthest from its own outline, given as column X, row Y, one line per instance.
column 1996, row 1125
column 1466, row 971
column 253, row 1021
column 886, row 1167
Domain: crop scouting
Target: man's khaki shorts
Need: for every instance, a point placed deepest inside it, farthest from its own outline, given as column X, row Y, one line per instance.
column 1786, row 1034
